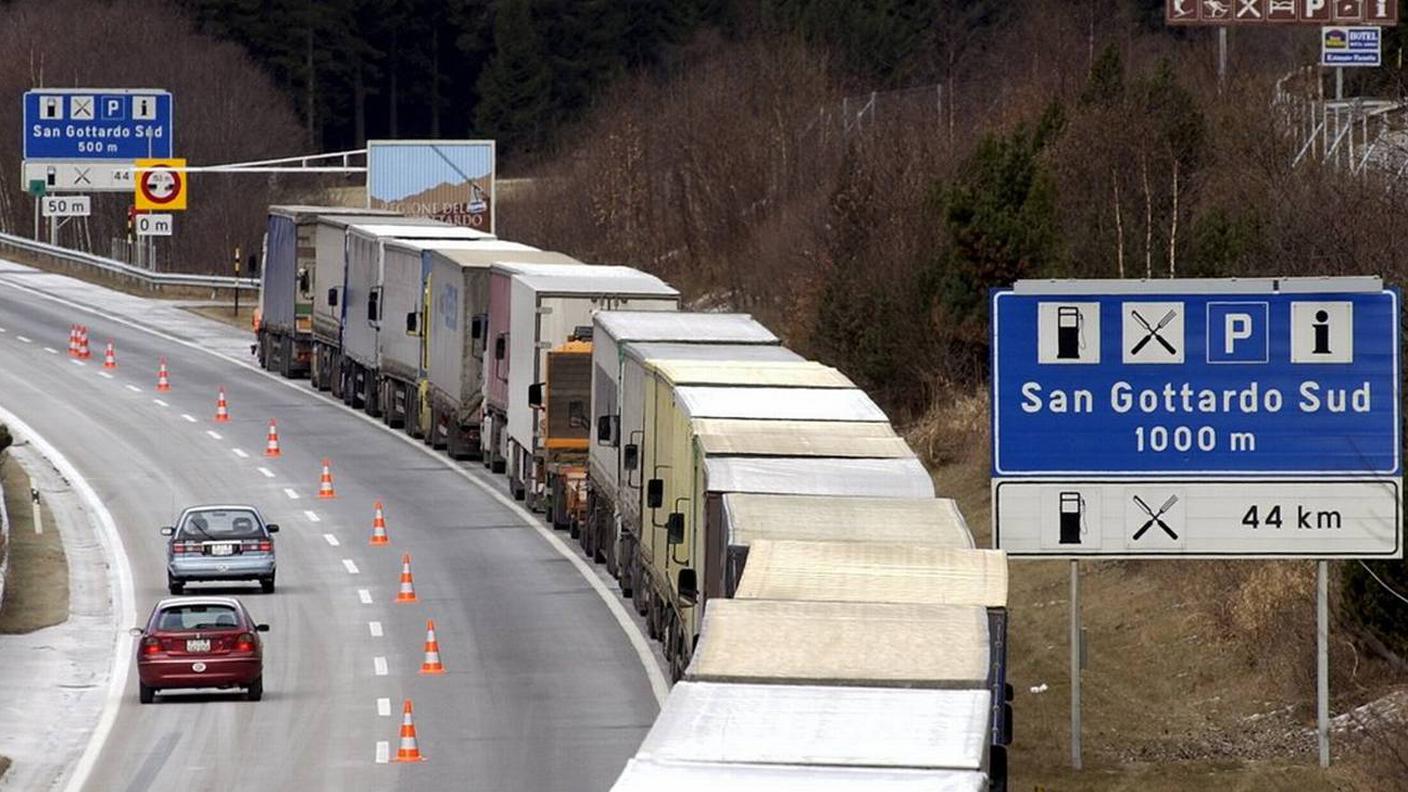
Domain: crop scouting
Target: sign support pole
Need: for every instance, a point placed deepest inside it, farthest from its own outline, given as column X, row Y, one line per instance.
column 1322, row 659
column 53, row 230
column 36, row 219
column 1075, row 665
column 1221, row 58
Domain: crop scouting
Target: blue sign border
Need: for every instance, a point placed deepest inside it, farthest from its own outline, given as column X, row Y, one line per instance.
column 130, row 146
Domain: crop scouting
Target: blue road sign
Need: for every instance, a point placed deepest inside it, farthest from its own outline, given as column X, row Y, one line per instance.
column 97, row 124
column 1351, row 46
column 1193, row 381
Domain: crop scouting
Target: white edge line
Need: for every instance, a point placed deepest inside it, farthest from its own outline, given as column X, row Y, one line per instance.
column 383, row 707
column 124, row 607
column 383, row 751
column 658, row 683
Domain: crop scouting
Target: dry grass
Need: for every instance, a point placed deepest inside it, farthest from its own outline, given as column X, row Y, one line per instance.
column 1200, row 673
column 36, row 590
column 226, row 313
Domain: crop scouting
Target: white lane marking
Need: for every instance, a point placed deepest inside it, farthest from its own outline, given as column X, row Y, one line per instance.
column 124, row 607
column 24, row 339
column 290, row 493
column 332, row 540
column 350, row 566
column 51, row 350
column 383, row 752
column 374, row 627
column 658, row 685
column 267, row 473
column 214, row 435
column 239, row 452
column 189, row 418
column 383, row 707
column 312, row 515
column 365, row 595
column 104, row 375
column 133, row 388
column 2, row 329
column 379, row 665
column 160, row 403
column 77, row 362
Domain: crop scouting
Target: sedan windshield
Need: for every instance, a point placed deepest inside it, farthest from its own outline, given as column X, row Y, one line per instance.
column 197, row 617
column 220, row 525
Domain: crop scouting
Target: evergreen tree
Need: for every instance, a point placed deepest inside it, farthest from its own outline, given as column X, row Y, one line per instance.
column 515, row 104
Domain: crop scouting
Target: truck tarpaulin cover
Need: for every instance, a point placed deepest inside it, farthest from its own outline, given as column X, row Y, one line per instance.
column 804, row 724
column 934, row 521
column 797, row 404
column 644, row 776
column 884, row 478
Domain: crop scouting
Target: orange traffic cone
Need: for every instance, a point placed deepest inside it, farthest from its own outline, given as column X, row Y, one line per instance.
column 83, row 353
column 408, row 586
column 73, row 340
column 271, row 449
column 325, row 489
column 110, row 357
column 162, row 383
column 379, row 536
column 222, row 409
column 432, row 664
column 409, row 751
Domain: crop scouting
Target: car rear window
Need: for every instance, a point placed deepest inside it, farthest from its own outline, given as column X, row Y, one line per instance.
column 221, row 524
column 197, row 617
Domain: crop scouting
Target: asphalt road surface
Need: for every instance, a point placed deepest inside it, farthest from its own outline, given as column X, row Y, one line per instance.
column 543, row 691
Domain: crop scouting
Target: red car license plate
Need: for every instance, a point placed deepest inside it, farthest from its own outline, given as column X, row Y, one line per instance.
column 195, row 645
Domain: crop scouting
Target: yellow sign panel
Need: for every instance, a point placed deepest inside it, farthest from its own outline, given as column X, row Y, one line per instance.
column 160, row 185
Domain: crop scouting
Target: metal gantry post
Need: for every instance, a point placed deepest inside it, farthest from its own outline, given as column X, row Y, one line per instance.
column 1322, row 659
column 1075, row 665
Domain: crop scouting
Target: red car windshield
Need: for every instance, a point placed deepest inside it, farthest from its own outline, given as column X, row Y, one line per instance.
column 197, row 617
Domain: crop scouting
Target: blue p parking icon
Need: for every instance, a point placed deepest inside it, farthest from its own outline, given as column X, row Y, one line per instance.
column 1237, row 332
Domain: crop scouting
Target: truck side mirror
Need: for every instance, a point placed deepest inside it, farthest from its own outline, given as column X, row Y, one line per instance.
column 630, row 456
column 674, row 528
column 603, row 430
column 535, row 395
column 499, row 348
column 412, row 323
column 654, row 493
column 476, row 328
column 332, row 297
column 688, row 585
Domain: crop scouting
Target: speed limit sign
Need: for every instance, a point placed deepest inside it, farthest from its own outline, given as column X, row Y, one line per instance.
column 160, row 184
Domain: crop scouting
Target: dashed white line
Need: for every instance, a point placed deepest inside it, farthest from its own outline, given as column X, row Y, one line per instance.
column 383, row 752
column 24, row 339
column 332, row 540
column 267, row 473
column 290, row 493
column 190, row 418
column 214, row 435
column 312, row 515
column 374, row 627
column 160, row 403
column 379, row 665
column 104, row 375
column 51, row 350
column 350, row 566
column 77, row 362
column 383, row 707
column 133, row 388
column 2, row 329
column 365, row 595
column 239, row 452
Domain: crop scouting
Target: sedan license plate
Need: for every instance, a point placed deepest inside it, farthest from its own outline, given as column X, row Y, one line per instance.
column 222, row 549
column 194, row 645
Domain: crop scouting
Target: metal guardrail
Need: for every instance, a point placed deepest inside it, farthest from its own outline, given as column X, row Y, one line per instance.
column 154, row 280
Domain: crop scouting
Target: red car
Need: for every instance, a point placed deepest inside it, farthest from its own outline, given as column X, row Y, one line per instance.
column 200, row 642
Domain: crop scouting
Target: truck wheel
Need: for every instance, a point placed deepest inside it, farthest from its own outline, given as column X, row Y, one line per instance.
column 286, row 357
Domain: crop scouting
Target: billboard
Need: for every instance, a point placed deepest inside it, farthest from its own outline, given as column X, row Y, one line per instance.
column 449, row 180
column 1273, row 12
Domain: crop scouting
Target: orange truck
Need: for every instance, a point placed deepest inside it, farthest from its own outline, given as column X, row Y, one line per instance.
column 564, row 407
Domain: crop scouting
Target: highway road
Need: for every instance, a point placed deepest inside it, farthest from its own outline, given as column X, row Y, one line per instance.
column 543, row 691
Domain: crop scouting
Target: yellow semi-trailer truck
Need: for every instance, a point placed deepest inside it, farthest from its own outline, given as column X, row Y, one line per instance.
column 898, row 573
column 547, row 304
column 630, row 432
column 287, row 284
column 366, row 323
column 330, row 280
column 447, row 408
column 614, row 335
column 564, row 426
column 745, row 518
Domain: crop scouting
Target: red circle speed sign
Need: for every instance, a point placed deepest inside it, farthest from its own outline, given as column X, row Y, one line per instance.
column 160, row 186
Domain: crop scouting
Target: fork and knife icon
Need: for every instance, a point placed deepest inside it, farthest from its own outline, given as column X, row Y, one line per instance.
column 1155, row 517
column 1153, row 332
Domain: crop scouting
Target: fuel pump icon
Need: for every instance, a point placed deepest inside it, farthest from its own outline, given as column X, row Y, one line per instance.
column 1072, row 525
column 1069, row 335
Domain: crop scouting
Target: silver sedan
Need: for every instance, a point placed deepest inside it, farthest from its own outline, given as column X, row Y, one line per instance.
column 220, row 543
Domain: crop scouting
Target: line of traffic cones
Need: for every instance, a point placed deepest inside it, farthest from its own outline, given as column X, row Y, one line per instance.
column 163, row 381
column 379, row 536
column 78, row 342
column 271, row 446
column 325, row 489
column 222, row 408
